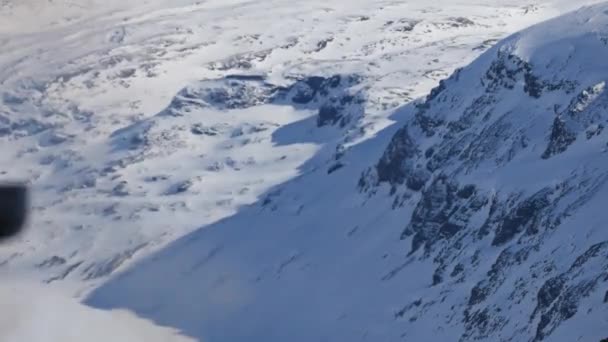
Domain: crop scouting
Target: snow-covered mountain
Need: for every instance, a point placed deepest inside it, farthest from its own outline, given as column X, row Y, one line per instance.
column 264, row 170
column 100, row 108
column 495, row 184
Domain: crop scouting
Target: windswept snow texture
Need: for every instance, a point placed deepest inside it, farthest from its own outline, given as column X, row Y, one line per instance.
column 480, row 216
column 267, row 170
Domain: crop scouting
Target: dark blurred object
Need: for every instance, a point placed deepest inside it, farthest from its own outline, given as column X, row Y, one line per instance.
column 13, row 209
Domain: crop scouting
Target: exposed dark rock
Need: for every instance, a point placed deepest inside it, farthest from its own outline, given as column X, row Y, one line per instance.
column 532, row 85
column 234, row 94
column 559, row 298
column 428, row 124
column 415, row 304
column 199, row 129
column 467, row 191
column 449, row 150
column 478, row 110
column 12, row 99
column 259, row 78
column 432, row 212
column 593, row 252
column 449, row 229
column 461, row 22
column 486, row 44
column 405, row 25
column 179, row 188
column 329, row 114
column 594, row 131
column 28, row 127
column 471, row 131
column 458, row 269
column 330, row 95
column 440, row 213
column 65, row 273
column 435, row 92
column 481, row 324
column 535, row 87
column 504, row 72
column 438, row 275
column 52, row 261
column 508, row 68
column 589, row 98
column 417, row 179
column 560, row 139
column 397, row 161
column 479, row 319
column 478, row 294
column 156, row 178
column 101, row 269
column 549, row 292
column 486, row 145
column 507, row 258
column 335, row 167
column 243, row 61
column 322, row 44
column 581, row 116
column 525, row 216
column 306, row 90
column 564, row 308
column 364, row 183
column 120, row 190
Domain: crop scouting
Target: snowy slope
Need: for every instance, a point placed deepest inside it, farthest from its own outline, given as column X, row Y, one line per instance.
column 480, row 216
column 263, row 163
column 99, row 108
column 30, row 313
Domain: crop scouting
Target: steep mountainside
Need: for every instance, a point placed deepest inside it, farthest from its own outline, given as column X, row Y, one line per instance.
column 138, row 122
column 479, row 216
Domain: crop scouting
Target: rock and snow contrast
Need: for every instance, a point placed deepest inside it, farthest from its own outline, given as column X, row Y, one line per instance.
column 243, row 170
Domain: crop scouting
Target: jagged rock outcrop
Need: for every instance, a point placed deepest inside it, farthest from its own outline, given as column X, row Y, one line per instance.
column 511, row 112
